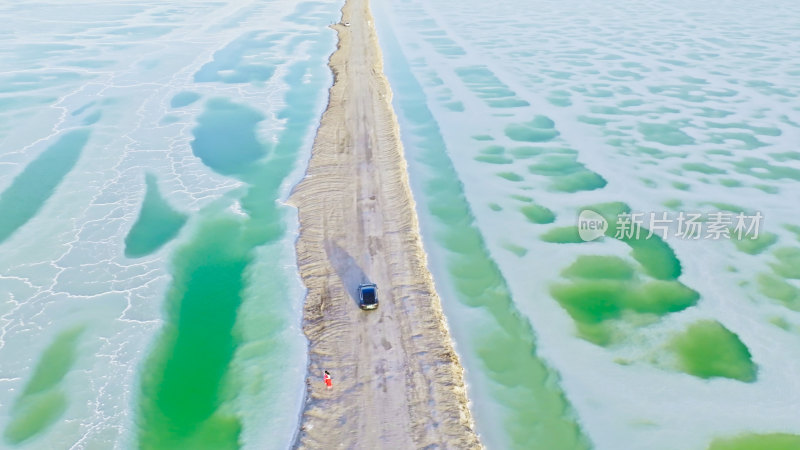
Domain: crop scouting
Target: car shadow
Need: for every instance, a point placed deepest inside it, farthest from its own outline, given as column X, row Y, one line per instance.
column 347, row 268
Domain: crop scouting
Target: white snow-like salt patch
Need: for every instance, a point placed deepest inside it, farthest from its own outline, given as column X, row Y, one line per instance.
column 66, row 267
column 580, row 48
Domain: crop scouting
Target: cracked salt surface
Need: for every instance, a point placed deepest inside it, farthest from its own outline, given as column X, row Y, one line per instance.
column 115, row 69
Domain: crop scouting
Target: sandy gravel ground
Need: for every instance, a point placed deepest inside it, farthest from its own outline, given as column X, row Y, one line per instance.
column 397, row 383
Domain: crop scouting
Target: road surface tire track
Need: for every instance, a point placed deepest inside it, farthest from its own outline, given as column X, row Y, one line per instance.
column 397, row 382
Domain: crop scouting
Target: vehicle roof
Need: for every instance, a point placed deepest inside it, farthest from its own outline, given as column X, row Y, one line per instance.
column 369, row 295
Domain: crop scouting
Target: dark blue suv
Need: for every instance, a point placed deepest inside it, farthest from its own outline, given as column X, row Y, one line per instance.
column 367, row 296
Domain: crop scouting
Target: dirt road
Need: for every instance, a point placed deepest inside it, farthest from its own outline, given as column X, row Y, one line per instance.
column 397, row 383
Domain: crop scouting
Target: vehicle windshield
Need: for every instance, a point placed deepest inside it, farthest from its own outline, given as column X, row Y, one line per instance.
column 368, row 295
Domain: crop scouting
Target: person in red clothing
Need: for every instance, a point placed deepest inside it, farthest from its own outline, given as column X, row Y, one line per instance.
column 327, row 378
